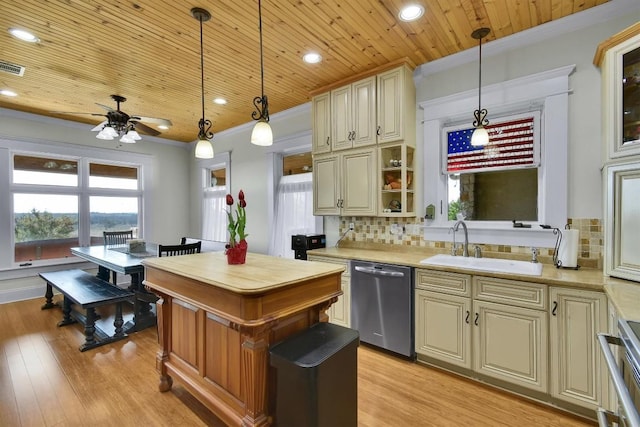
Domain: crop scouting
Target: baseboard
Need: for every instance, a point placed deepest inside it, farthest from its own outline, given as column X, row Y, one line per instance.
column 21, row 294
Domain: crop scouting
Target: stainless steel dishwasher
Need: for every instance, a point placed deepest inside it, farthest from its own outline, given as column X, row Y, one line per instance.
column 382, row 305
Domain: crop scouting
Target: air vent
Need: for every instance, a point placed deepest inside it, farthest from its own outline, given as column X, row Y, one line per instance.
column 8, row 67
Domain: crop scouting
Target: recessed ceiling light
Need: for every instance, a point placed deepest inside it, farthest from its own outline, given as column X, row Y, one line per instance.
column 411, row 12
column 7, row 92
column 219, row 101
column 23, row 35
column 312, row 58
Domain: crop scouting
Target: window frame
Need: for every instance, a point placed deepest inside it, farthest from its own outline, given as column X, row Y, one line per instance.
column 547, row 92
column 83, row 155
column 219, row 161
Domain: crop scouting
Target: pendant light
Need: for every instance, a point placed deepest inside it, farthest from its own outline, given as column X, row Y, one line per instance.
column 480, row 135
column 204, row 148
column 261, row 134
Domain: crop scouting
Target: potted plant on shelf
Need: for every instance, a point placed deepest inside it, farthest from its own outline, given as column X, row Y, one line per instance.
column 236, row 250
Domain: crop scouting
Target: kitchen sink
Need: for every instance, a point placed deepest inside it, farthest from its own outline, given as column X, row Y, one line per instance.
column 495, row 265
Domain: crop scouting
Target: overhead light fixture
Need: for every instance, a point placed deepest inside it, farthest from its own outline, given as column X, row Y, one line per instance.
column 262, row 134
column 7, row 92
column 480, row 135
column 411, row 12
column 23, row 35
column 220, row 101
column 312, row 58
column 204, row 148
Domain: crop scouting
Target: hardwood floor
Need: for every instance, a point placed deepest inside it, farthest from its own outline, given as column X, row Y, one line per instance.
column 46, row 381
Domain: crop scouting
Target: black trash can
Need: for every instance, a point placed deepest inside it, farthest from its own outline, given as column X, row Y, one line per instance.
column 317, row 377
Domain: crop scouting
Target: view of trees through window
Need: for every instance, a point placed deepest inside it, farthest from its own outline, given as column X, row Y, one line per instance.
column 47, row 212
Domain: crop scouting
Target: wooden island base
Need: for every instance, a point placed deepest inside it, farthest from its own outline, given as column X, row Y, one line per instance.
column 216, row 323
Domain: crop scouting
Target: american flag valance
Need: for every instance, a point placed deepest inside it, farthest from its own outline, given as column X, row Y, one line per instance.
column 512, row 144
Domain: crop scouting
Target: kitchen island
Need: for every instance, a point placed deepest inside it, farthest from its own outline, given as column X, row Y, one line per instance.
column 216, row 323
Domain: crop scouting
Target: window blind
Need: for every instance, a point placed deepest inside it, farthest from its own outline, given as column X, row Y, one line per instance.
column 512, row 144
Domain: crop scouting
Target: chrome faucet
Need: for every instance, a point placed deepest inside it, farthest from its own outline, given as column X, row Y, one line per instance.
column 465, row 247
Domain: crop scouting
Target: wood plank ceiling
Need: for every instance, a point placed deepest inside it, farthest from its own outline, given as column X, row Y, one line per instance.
column 149, row 50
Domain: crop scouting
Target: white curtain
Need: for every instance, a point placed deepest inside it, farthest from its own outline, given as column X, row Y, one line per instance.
column 293, row 213
column 214, row 214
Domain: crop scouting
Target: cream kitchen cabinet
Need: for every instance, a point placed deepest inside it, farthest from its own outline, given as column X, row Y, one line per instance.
column 339, row 312
column 578, row 372
column 442, row 316
column 510, row 333
column 497, row 328
column 321, row 113
column 396, row 106
column 353, row 115
column 397, row 181
column 345, row 183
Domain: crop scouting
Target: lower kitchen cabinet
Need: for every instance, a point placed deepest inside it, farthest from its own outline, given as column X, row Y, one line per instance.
column 443, row 327
column 510, row 344
column 578, row 371
column 339, row 312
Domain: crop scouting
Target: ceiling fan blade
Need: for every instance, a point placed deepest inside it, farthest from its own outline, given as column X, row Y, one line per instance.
column 77, row 112
column 156, row 120
column 140, row 127
column 106, row 107
column 99, row 127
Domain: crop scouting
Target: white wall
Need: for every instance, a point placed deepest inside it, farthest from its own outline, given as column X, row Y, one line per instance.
column 250, row 171
column 169, row 200
column 577, row 47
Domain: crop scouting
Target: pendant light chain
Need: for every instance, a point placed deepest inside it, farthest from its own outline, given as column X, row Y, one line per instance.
column 201, row 68
column 261, row 52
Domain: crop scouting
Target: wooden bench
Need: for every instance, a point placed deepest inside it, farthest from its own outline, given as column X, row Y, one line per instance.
column 87, row 291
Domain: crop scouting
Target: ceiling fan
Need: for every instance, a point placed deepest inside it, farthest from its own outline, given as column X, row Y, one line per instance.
column 121, row 124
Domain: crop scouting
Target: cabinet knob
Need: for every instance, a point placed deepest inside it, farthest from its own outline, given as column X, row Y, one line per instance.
column 555, row 308
column 466, row 319
column 378, row 131
column 475, row 321
column 327, row 140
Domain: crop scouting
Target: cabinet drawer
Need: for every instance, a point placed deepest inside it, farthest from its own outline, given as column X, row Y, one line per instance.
column 512, row 292
column 439, row 281
column 343, row 262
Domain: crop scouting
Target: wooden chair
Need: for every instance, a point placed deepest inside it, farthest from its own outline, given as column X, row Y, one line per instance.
column 117, row 237
column 186, row 249
column 207, row 245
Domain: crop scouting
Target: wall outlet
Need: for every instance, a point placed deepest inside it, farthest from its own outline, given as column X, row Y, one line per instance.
column 351, row 226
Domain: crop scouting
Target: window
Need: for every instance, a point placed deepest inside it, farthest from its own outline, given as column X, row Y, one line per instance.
column 478, row 190
column 497, row 182
column 59, row 196
column 215, row 186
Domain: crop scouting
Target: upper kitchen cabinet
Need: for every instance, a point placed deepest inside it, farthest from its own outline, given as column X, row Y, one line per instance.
column 353, row 115
column 321, row 113
column 619, row 60
column 345, row 183
column 396, row 106
column 396, row 186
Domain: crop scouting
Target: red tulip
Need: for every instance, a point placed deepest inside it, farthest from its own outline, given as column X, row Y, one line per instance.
column 241, row 195
column 229, row 199
column 242, row 203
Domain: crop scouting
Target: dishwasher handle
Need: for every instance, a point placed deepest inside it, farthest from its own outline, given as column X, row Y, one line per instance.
column 626, row 401
column 378, row 271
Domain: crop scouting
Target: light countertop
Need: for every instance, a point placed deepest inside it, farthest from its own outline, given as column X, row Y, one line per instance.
column 624, row 294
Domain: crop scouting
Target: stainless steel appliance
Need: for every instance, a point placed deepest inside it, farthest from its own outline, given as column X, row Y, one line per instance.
column 625, row 375
column 382, row 305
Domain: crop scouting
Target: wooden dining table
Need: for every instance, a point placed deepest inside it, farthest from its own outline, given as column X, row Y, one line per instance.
column 117, row 258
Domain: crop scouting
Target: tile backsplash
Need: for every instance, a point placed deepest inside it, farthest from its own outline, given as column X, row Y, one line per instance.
column 378, row 230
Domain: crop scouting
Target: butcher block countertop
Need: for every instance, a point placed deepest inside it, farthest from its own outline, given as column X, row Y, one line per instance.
column 624, row 294
column 260, row 273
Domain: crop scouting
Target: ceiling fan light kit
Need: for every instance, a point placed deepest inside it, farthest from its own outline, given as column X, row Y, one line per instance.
column 261, row 134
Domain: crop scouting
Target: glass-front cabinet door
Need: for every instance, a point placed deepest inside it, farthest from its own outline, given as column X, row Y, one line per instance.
column 619, row 59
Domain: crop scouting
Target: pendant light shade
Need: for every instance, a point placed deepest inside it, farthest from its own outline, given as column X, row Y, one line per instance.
column 262, row 134
column 204, row 148
column 480, row 136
